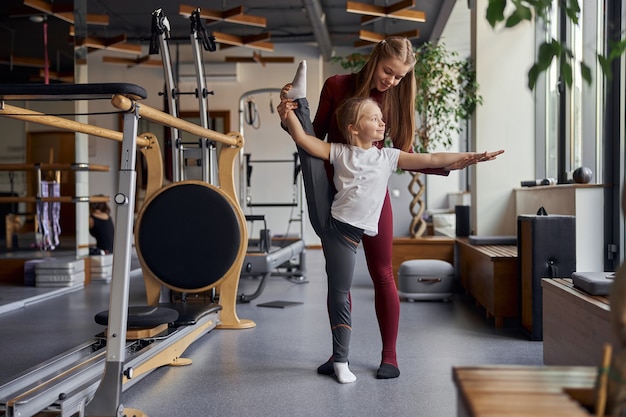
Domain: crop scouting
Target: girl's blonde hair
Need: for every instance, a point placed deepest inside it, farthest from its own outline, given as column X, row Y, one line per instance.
column 398, row 105
column 351, row 113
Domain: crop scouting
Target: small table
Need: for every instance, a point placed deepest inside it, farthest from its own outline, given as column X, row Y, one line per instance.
column 524, row 391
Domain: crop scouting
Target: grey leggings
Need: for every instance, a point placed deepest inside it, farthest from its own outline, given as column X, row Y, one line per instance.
column 339, row 240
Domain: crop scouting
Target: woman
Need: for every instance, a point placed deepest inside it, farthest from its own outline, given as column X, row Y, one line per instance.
column 101, row 226
column 387, row 78
column 361, row 173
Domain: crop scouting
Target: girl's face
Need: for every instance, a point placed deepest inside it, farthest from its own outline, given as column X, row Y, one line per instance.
column 389, row 72
column 371, row 127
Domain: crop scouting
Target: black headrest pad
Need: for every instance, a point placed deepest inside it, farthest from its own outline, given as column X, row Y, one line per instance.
column 188, row 235
column 94, row 91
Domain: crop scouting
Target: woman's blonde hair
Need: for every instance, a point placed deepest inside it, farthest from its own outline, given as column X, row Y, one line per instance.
column 398, row 105
column 350, row 113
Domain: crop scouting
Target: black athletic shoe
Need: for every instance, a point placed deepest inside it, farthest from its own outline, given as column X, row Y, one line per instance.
column 387, row 371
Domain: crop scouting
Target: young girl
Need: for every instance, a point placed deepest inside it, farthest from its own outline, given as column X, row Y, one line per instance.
column 361, row 173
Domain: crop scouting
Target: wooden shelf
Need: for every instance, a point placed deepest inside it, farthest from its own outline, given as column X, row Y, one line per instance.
column 61, row 199
column 45, row 166
column 54, row 166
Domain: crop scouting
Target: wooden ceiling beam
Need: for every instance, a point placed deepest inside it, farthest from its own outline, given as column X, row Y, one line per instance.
column 66, row 77
column 145, row 61
column 265, row 59
column 369, row 36
column 366, row 37
column 116, row 43
column 254, row 42
column 399, row 10
column 65, row 12
column 22, row 61
column 234, row 15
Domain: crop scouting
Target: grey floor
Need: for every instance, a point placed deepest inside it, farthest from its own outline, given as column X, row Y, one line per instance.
column 270, row 370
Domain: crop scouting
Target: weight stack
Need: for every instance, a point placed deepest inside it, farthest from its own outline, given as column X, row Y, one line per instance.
column 546, row 248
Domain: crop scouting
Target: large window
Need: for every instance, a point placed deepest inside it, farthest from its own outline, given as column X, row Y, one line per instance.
column 573, row 128
column 583, row 124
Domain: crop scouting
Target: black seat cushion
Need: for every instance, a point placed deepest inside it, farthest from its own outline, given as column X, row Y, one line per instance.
column 190, row 313
column 142, row 317
column 188, row 236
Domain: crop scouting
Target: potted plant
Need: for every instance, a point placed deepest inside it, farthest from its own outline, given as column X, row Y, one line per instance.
column 447, row 95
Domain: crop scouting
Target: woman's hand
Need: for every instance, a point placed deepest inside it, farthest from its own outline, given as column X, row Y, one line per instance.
column 286, row 104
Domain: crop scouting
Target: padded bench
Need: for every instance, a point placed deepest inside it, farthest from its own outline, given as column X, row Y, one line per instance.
column 489, row 273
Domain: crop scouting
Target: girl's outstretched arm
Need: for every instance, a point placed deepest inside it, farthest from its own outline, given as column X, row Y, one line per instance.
column 311, row 144
column 413, row 161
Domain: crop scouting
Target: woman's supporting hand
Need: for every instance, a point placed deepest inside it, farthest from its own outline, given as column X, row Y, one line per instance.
column 286, row 104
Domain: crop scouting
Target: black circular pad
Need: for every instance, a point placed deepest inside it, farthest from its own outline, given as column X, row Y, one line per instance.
column 188, row 236
column 141, row 317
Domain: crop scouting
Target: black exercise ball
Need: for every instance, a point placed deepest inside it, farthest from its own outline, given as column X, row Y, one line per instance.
column 582, row 175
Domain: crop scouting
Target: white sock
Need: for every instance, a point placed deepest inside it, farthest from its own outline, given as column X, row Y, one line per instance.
column 298, row 85
column 343, row 373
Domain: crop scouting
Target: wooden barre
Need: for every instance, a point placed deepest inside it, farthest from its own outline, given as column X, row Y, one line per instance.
column 62, row 199
column 45, row 166
column 65, row 124
column 157, row 116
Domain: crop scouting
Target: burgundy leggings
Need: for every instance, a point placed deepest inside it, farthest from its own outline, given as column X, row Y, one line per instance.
column 387, row 303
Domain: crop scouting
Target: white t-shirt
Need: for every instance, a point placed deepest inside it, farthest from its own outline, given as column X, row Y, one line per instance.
column 361, row 177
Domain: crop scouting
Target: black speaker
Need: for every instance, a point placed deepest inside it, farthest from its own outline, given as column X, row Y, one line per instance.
column 462, row 220
column 546, row 248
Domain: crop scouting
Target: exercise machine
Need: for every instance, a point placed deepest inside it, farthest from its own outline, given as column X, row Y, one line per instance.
column 270, row 256
column 203, row 152
column 89, row 380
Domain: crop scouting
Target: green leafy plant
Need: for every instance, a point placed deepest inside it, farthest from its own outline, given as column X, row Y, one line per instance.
column 447, row 94
column 551, row 49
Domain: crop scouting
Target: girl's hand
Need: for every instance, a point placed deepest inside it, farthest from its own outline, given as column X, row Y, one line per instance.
column 472, row 159
column 488, row 156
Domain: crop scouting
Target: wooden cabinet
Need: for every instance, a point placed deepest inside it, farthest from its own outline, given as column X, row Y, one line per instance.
column 489, row 273
column 576, row 325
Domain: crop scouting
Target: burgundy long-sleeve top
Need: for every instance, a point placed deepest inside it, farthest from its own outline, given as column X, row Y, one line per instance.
column 335, row 91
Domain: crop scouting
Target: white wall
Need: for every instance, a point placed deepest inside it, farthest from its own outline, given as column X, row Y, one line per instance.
column 505, row 120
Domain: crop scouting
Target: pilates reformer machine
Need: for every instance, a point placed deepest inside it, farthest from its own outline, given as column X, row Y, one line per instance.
column 266, row 260
column 174, row 253
column 269, row 256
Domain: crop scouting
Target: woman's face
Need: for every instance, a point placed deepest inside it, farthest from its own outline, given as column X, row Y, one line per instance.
column 389, row 72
